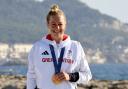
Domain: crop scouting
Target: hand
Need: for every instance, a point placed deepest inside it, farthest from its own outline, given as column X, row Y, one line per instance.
column 62, row 76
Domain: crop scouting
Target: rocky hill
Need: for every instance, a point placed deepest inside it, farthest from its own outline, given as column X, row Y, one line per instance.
column 103, row 37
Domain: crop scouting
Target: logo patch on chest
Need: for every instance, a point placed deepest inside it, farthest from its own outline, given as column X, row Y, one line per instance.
column 69, row 54
column 45, row 53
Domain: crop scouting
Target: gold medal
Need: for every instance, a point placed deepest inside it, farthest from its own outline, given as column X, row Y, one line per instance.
column 54, row 80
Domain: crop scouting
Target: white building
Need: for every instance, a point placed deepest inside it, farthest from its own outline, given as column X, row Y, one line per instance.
column 3, row 50
column 15, row 51
column 20, row 50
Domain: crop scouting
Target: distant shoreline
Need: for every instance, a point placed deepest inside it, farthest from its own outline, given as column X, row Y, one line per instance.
column 19, row 82
column 105, row 71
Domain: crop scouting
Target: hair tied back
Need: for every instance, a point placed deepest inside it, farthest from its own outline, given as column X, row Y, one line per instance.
column 55, row 8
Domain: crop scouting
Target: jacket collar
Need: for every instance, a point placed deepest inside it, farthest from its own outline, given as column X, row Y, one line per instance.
column 48, row 39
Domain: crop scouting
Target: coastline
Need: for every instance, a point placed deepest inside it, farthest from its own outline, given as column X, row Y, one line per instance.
column 19, row 82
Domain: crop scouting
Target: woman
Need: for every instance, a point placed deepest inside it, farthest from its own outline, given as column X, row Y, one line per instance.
column 56, row 61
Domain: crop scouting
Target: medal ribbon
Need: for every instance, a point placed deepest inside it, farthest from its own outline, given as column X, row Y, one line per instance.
column 57, row 66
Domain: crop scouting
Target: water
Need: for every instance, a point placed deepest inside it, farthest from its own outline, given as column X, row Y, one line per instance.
column 99, row 71
column 13, row 70
column 109, row 71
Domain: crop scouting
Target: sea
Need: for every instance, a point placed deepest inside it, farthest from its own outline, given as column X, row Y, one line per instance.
column 99, row 71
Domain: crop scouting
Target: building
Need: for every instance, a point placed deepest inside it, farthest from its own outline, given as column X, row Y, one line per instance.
column 3, row 50
column 14, row 51
column 20, row 50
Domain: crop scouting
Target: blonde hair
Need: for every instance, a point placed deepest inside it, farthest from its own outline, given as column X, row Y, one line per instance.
column 55, row 10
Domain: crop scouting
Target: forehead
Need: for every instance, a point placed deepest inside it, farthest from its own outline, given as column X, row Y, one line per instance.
column 57, row 18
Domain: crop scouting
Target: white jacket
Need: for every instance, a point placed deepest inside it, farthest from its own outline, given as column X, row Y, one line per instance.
column 41, row 68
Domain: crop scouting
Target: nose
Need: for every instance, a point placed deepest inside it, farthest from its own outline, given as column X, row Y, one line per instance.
column 57, row 26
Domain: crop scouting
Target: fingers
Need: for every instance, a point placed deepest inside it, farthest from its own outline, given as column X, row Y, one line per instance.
column 59, row 77
column 62, row 76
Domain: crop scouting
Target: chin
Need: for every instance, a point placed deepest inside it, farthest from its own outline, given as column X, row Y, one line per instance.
column 56, row 34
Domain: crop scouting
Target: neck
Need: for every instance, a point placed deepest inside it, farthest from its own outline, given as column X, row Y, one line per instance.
column 57, row 39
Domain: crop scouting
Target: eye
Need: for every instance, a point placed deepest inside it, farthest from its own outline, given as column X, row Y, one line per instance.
column 60, row 24
column 53, row 24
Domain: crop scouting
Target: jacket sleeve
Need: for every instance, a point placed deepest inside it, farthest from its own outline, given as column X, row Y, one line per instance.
column 84, row 70
column 31, row 78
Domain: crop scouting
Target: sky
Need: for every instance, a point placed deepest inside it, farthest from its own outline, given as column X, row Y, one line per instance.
column 115, row 8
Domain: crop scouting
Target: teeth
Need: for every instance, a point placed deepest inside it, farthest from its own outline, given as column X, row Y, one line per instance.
column 56, row 31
